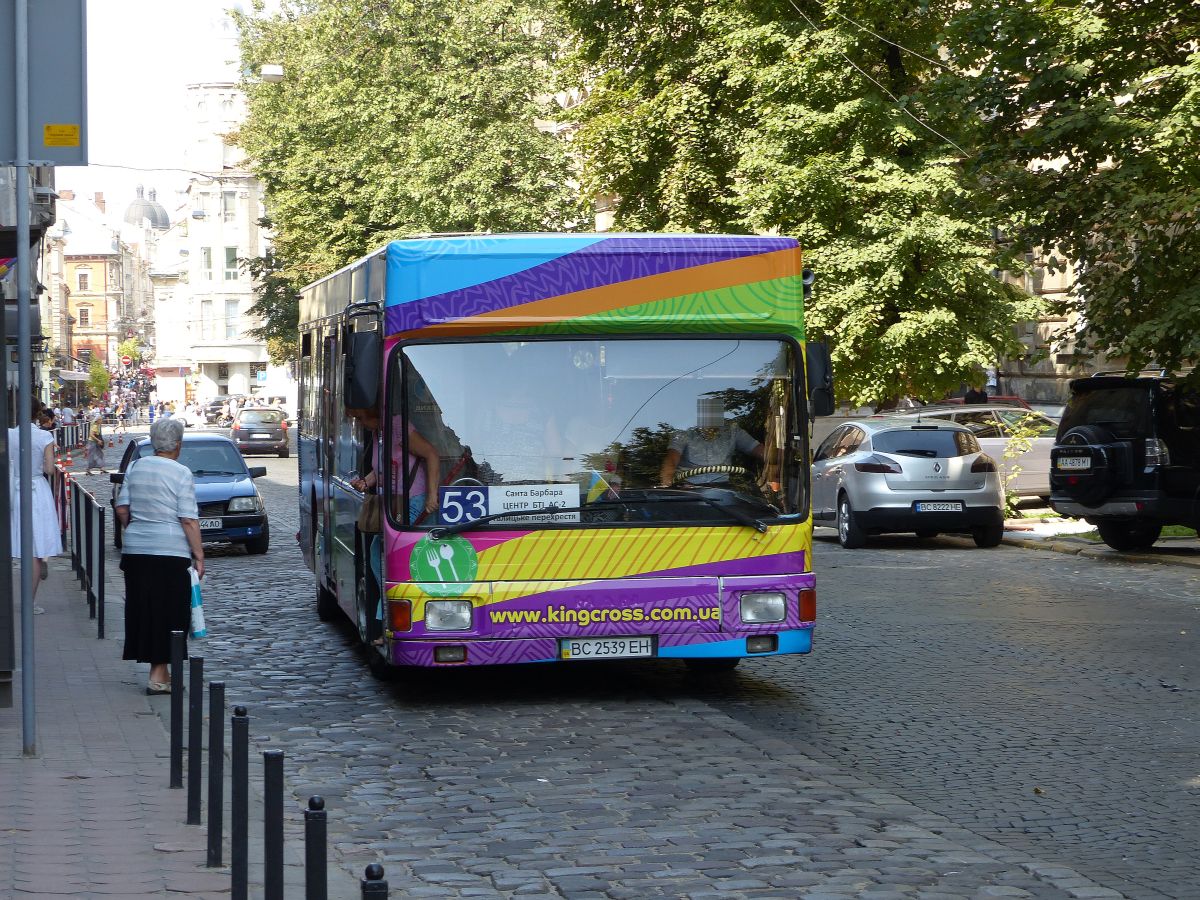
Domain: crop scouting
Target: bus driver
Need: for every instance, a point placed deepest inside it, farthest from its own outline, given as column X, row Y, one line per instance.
column 709, row 445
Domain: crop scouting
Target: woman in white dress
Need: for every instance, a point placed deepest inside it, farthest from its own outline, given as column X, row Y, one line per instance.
column 47, row 541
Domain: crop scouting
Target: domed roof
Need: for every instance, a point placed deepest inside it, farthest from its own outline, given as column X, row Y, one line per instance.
column 151, row 209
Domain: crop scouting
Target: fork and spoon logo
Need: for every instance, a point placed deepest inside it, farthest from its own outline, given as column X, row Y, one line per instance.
column 444, row 568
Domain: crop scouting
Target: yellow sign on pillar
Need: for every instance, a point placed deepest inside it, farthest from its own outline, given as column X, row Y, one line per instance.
column 59, row 135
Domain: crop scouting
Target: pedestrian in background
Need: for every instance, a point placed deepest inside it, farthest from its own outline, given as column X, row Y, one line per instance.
column 977, row 393
column 95, row 443
column 156, row 507
column 47, row 541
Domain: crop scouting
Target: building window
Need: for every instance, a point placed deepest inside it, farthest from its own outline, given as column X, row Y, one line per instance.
column 258, row 373
column 84, row 315
column 206, row 263
column 228, row 206
column 83, row 278
column 222, row 370
column 231, row 264
column 206, row 323
column 231, row 319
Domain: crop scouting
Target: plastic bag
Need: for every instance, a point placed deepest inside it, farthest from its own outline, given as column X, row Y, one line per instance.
column 198, row 628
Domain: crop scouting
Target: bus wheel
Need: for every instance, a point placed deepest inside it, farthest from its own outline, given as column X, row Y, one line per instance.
column 713, row 665
column 327, row 606
column 380, row 667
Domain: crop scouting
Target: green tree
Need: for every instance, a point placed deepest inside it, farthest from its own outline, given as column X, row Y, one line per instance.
column 1089, row 115
column 98, row 379
column 396, row 119
column 131, row 347
column 813, row 121
column 276, row 304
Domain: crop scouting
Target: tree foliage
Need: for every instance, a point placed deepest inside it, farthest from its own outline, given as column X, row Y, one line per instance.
column 131, row 347
column 98, row 378
column 1090, row 114
column 764, row 116
column 276, row 305
column 395, row 119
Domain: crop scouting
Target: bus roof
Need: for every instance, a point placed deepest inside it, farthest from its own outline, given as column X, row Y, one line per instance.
column 573, row 283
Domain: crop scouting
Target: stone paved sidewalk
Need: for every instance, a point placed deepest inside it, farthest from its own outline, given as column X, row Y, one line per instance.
column 92, row 814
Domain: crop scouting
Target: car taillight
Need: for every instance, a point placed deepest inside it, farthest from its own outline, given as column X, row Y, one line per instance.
column 879, row 465
column 283, row 424
column 1157, row 453
column 983, row 463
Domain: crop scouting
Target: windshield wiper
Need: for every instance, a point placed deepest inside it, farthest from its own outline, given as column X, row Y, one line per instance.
column 444, row 531
column 213, row 472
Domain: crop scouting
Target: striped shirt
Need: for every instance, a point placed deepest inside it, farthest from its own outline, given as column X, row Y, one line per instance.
column 159, row 492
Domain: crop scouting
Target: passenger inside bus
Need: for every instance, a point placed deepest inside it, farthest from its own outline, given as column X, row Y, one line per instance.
column 422, row 460
column 704, row 454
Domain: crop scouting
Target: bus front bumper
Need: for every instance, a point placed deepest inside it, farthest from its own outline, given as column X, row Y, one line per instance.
column 482, row 652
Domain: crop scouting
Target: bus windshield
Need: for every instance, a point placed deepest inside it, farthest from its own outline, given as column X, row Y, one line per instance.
column 634, row 429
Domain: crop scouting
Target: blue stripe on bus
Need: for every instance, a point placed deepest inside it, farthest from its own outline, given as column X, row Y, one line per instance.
column 441, row 266
column 798, row 641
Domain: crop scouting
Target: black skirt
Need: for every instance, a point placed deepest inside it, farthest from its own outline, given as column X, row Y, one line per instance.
column 158, row 600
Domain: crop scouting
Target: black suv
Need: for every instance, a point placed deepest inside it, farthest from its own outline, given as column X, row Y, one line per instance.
column 1127, row 457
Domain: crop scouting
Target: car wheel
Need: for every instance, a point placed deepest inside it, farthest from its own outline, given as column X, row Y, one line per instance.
column 1128, row 536
column 261, row 543
column 989, row 535
column 712, row 665
column 926, row 533
column 283, row 454
column 850, row 535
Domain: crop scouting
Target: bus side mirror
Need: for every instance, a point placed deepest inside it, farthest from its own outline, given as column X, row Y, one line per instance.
column 363, row 360
column 818, row 368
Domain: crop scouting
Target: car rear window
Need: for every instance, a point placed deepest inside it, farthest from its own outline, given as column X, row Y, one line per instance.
column 211, row 457
column 260, row 417
column 1125, row 411
column 941, row 443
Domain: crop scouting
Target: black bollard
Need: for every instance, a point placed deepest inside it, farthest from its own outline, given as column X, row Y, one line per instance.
column 195, row 736
column 316, row 877
column 239, row 801
column 89, row 557
column 100, row 572
column 273, row 824
column 177, row 709
column 374, row 886
column 216, row 771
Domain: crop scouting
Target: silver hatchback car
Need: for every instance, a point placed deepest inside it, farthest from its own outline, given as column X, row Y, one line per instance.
column 884, row 474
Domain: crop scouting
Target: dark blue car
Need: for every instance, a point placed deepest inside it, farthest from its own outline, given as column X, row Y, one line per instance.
column 230, row 506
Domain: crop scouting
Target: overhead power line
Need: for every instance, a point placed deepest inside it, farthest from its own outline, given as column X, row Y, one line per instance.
column 903, row 108
column 861, row 27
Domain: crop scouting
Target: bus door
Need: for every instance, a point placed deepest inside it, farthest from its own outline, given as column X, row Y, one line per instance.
column 327, row 435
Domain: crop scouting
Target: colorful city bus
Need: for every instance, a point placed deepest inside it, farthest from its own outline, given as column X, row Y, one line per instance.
column 562, row 447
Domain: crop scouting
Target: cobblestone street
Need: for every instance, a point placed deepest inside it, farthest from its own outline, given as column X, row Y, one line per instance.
column 999, row 723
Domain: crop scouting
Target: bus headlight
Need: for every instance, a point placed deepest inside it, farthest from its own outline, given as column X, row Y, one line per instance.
column 448, row 615
column 762, row 607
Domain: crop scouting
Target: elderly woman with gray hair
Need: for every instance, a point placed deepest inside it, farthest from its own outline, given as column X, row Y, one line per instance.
column 157, row 510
